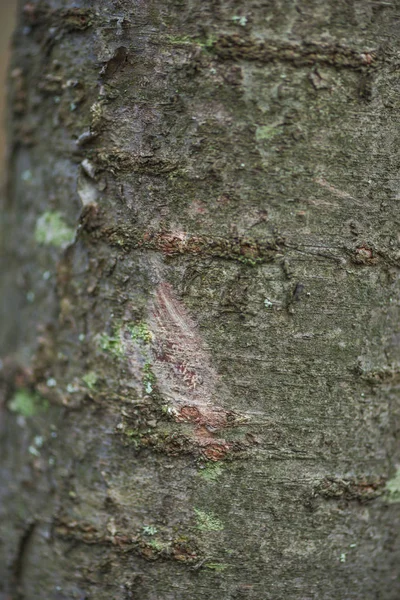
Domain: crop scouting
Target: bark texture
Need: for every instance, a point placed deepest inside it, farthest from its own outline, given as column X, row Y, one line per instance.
column 200, row 302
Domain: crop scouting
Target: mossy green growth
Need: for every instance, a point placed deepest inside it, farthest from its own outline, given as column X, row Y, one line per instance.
column 211, row 472
column 141, row 332
column 251, row 262
column 207, row 521
column 185, row 40
column 111, row 343
column 265, row 132
column 149, row 530
column 393, row 488
column 149, row 378
column 27, row 403
column 179, row 39
column 135, row 437
column 157, row 545
column 207, row 43
column 240, row 20
column 52, row 230
column 90, row 379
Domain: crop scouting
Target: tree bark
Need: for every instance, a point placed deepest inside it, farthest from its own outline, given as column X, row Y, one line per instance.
column 200, row 302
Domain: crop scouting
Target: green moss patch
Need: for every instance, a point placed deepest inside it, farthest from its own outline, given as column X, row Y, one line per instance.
column 207, row 521
column 111, row 343
column 211, row 472
column 52, row 230
column 90, row 379
column 140, row 332
column 393, row 488
column 265, row 132
column 27, row 403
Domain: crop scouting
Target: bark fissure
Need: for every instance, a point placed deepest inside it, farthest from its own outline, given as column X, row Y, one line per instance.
column 19, row 561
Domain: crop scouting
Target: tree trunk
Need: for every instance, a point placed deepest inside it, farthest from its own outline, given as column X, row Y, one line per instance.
column 200, row 302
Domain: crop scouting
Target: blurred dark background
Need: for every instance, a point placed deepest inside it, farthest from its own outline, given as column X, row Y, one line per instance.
column 7, row 21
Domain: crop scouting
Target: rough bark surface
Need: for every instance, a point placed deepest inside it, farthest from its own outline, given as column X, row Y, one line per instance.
column 200, row 302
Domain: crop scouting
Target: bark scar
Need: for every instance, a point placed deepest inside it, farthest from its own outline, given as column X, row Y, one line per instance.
column 185, row 375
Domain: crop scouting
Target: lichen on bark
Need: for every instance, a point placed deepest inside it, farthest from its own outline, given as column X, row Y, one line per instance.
column 201, row 213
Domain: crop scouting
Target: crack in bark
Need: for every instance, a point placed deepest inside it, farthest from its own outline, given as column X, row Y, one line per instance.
column 20, row 558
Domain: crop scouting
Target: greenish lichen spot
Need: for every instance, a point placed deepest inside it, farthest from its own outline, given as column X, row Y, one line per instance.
column 217, row 567
column 208, row 43
column 207, row 521
column 90, row 379
column 52, row 230
column 140, row 331
column 265, row 132
column 27, row 403
column 205, row 44
column 135, row 437
column 149, row 378
column 111, row 343
column 238, row 20
column 178, row 40
column 157, row 545
column 149, row 529
column 393, row 488
column 211, row 472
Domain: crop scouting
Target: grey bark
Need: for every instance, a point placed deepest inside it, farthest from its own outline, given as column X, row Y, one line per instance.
column 200, row 302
